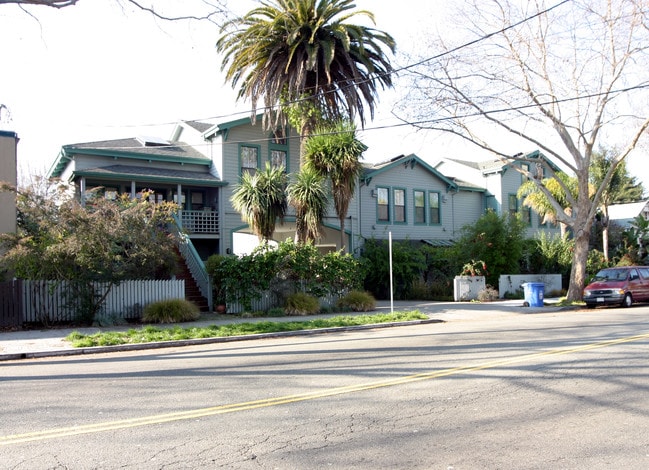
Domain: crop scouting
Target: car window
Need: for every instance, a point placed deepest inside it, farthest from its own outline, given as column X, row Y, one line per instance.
column 611, row 275
column 644, row 272
column 603, row 275
column 633, row 275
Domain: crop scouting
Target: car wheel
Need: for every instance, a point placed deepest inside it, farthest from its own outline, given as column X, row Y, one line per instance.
column 590, row 305
column 628, row 300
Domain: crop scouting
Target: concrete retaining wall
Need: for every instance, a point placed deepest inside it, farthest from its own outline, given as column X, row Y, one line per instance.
column 513, row 282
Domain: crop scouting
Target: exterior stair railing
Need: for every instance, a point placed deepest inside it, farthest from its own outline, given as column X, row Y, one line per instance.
column 194, row 262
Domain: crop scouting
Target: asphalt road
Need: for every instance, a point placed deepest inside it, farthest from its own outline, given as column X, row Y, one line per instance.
column 564, row 390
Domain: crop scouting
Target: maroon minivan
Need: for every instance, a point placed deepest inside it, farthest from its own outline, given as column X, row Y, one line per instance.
column 619, row 286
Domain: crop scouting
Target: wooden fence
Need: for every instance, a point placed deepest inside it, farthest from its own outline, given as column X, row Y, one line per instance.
column 10, row 304
column 58, row 301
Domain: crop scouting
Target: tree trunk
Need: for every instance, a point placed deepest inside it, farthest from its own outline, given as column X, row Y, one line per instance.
column 342, row 233
column 605, row 231
column 578, row 270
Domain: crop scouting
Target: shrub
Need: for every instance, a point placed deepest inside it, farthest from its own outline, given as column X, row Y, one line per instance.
column 488, row 294
column 171, row 311
column 283, row 270
column 276, row 312
column 408, row 264
column 496, row 240
column 302, row 304
column 357, row 301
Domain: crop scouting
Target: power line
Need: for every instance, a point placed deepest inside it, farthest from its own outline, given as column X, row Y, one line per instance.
column 394, row 71
column 434, row 120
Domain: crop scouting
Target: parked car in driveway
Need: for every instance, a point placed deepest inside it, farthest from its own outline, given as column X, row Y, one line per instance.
column 618, row 286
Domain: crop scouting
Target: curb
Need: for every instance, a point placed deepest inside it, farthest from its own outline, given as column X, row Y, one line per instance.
column 200, row 341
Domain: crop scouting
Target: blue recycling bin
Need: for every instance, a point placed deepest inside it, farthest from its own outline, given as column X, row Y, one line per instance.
column 534, row 293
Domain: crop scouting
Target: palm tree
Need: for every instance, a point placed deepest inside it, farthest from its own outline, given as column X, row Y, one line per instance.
column 335, row 152
column 304, row 52
column 534, row 198
column 622, row 188
column 308, row 195
column 261, row 200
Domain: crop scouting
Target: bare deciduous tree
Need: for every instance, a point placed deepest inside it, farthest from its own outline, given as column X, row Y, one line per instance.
column 558, row 78
column 210, row 10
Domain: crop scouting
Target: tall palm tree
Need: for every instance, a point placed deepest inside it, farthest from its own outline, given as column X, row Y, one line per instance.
column 308, row 195
column 261, row 200
column 335, row 152
column 305, row 52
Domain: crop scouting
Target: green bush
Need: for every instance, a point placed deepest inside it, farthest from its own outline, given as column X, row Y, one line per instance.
column 170, row 311
column 498, row 240
column 357, row 301
column 283, row 270
column 408, row 264
column 276, row 312
column 302, row 304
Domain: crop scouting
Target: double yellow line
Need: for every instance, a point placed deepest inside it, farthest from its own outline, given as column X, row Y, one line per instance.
column 250, row 405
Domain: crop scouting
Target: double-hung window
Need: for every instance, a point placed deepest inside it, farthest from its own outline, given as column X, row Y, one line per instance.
column 419, row 198
column 512, row 202
column 400, row 206
column 433, row 208
column 249, row 156
column 383, row 204
column 278, row 150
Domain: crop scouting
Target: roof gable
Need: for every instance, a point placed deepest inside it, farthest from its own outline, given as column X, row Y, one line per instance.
column 224, row 127
column 627, row 211
column 500, row 165
column 412, row 160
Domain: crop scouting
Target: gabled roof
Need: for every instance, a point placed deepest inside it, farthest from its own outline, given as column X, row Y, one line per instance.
column 413, row 160
column 199, row 125
column 150, row 175
column 224, row 127
column 132, row 148
column 497, row 165
column 627, row 211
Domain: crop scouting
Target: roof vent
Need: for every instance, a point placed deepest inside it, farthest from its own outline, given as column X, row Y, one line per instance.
column 148, row 141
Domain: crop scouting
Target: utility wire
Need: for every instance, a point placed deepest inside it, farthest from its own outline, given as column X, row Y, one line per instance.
column 394, row 71
column 426, row 121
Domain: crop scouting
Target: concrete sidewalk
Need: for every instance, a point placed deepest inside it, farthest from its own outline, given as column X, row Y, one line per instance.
column 27, row 344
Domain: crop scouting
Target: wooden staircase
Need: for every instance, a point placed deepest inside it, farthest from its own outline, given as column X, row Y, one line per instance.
column 192, row 292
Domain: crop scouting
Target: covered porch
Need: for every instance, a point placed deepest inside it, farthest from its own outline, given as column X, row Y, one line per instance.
column 198, row 195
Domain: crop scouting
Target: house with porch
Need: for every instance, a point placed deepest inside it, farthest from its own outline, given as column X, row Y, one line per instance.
column 200, row 164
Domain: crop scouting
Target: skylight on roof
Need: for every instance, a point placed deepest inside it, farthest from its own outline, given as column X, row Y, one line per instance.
column 149, row 141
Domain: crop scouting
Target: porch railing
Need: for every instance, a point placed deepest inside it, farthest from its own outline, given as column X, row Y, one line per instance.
column 205, row 221
column 194, row 262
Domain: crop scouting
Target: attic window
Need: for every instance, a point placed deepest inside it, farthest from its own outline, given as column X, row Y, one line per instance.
column 148, row 141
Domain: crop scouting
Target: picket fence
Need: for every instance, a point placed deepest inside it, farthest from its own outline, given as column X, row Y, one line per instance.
column 55, row 301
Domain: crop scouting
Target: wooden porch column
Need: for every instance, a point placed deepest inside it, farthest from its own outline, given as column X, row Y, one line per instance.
column 179, row 196
column 132, row 189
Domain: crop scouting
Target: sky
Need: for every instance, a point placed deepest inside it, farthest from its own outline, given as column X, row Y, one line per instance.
column 103, row 70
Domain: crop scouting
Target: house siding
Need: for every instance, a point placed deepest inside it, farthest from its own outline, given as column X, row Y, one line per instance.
column 227, row 156
column 8, row 174
column 457, row 208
